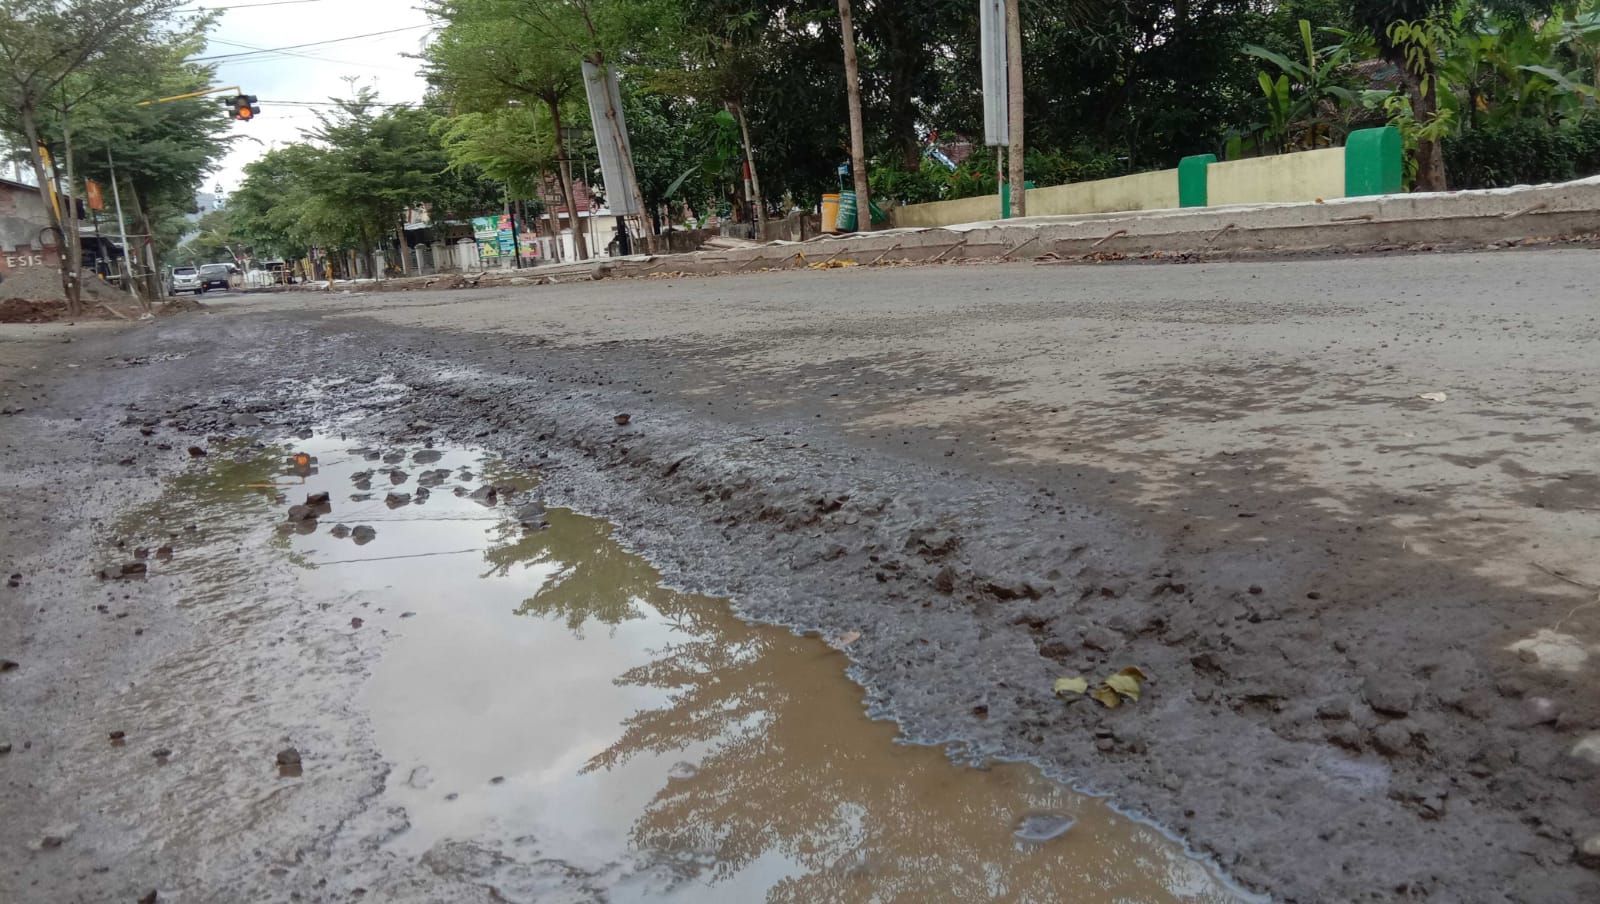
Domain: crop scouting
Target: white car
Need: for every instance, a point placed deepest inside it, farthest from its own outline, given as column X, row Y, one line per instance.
column 187, row 279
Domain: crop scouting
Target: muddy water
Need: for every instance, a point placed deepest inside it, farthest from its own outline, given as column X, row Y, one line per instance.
column 543, row 695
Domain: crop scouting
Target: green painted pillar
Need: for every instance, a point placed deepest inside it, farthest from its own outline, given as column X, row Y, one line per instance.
column 1372, row 162
column 1005, row 197
column 1192, row 179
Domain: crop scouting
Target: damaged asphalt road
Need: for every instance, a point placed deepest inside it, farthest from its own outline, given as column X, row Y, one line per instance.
column 1368, row 616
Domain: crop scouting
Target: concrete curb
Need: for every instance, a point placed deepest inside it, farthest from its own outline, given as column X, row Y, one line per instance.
column 1383, row 222
column 1472, row 217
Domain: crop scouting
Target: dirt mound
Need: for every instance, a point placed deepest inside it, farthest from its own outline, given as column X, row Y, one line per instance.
column 25, row 310
column 177, row 305
column 21, row 310
column 44, row 284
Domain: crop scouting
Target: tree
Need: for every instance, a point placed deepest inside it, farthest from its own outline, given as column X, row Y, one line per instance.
column 492, row 53
column 718, row 56
column 214, row 240
column 370, row 167
column 44, row 44
column 159, row 153
column 346, row 188
column 858, row 152
column 274, row 208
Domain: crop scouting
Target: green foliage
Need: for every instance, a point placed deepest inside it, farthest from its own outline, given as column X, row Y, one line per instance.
column 348, row 190
column 1524, row 153
column 505, row 145
column 662, row 147
column 889, row 182
column 1305, row 103
column 215, row 241
column 933, row 182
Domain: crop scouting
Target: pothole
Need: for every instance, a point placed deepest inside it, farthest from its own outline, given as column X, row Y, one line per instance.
column 541, row 694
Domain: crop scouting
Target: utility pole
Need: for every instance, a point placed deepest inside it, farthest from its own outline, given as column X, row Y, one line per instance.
column 122, row 228
column 858, row 150
column 1019, row 185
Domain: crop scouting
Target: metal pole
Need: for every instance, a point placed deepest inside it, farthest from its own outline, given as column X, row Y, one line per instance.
column 516, row 240
column 1000, row 179
column 122, row 228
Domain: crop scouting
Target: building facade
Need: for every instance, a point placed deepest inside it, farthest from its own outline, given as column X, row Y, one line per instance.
column 24, row 239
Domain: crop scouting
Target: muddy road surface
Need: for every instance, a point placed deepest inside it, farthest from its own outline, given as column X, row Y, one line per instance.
column 761, row 588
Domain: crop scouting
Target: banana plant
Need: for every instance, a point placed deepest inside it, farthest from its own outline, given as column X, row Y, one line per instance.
column 1302, row 96
column 1279, row 108
column 1581, row 34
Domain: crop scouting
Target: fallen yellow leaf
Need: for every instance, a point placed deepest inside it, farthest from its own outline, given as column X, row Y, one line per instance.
column 1074, row 685
column 1133, row 671
column 1106, row 697
column 1126, row 685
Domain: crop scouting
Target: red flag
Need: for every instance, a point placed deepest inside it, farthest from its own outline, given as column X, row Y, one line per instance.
column 96, row 202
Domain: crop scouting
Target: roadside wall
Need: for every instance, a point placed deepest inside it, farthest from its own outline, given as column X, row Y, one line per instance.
column 1140, row 191
column 1369, row 164
column 947, row 213
column 1305, row 176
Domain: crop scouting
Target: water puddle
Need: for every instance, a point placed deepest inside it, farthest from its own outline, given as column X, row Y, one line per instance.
column 541, row 693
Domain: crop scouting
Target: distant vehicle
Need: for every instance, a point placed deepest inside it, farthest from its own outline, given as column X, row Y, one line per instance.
column 187, row 279
column 214, row 276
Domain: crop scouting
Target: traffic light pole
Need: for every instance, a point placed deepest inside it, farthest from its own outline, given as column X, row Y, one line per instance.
column 161, row 100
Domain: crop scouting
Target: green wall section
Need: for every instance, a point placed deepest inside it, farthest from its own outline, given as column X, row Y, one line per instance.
column 1372, row 162
column 1192, row 179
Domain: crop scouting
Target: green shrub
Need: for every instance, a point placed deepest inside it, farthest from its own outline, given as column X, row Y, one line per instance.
column 1587, row 134
column 1045, row 168
column 1525, row 152
column 929, row 182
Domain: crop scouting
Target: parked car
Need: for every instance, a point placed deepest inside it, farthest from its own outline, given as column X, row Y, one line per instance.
column 187, row 279
column 215, row 276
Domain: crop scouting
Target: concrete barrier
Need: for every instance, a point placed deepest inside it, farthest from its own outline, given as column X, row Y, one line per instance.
column 1305, row 176
column 1140, row 191
column 945, row 213
column 1370, row 164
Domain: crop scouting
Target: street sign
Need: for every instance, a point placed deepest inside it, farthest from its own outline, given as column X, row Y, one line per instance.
column 610, row 136
column 992, row 62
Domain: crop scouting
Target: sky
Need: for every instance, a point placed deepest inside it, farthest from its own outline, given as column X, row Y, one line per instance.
column 290, row 85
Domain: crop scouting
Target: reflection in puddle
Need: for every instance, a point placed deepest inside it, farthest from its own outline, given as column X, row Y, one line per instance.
column 546, row 697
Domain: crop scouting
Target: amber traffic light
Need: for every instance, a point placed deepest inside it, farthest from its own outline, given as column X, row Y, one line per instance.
column 243, row 107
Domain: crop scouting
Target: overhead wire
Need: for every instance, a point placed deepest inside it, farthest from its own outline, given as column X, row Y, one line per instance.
column 251, row 53
column 216, row 9
column 292, row 53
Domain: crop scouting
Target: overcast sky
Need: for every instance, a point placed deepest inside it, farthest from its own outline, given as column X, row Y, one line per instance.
column 285, row 82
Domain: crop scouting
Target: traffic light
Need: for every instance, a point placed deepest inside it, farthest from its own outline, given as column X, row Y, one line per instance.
column 242, row 107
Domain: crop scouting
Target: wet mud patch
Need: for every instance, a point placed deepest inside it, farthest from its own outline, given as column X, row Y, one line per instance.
column 558, row 724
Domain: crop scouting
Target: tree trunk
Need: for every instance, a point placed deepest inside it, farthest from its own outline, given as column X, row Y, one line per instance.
column 1424, row 107
column 400, row 233
column 858, row 150
column 1430, row 153
column 757, row 199
column 69, row 215
column 1019, row 185
column 564, row 179
column 30, row 130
